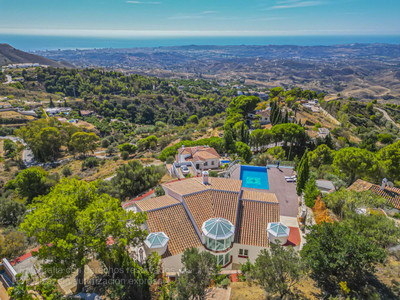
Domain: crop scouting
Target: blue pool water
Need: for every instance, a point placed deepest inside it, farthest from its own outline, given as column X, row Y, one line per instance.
column 254, row 177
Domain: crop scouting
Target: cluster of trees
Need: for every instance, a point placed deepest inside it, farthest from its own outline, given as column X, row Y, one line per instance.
column 110, row 95
column 74, row 222
column 352, row 163
column 132, row 179
column 276, row 114
column 45, row 137
column 294, row 138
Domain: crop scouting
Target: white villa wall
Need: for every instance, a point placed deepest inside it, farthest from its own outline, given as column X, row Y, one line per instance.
column 273, row 239
column 209, row 163
column 253, row 253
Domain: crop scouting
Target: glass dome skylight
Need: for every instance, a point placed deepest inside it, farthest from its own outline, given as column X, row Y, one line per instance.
column 278, row 229
column 218, row 228
column 156, row 240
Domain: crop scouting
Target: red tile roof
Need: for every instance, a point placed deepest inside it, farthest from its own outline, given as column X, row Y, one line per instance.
column 175, row 223
column 212, row 204
column 155, row 203
column 253, row 220
column 391, row 194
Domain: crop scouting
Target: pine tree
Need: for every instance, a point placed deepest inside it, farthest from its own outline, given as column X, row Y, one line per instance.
column 303, row 173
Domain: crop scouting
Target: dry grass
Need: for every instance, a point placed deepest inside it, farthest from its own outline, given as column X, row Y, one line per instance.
column 242, row 290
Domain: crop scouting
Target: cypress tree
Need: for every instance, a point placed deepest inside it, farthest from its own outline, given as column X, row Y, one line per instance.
column 286, row 117
column 302, row 173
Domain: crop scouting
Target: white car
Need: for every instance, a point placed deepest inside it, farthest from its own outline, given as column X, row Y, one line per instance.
column 185, row 170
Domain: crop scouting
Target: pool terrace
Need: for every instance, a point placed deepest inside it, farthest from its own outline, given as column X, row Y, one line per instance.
column 285, row 191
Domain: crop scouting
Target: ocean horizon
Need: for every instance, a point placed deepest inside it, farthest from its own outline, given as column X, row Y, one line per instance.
column 36, row 43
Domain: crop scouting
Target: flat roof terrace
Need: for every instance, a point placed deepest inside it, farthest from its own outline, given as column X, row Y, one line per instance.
column 284, row 191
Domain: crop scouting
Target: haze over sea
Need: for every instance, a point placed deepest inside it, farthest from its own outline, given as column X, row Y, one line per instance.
column 35, row 42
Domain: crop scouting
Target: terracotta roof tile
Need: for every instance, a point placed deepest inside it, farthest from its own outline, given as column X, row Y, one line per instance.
column 175, row 223
column 212, row 204
column 391, row 194
column 194, row 185
column 155, row 203
column 259, row 196
column 360, row 185
column 200, row 151
column 253, row 220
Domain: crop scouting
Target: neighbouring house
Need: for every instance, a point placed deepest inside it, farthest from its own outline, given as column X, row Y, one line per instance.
column 325, row 186
column 202, row 157
column 263, row 115
column 323, row 132
column 392, row 194
column 215, row 215
column 86, row 113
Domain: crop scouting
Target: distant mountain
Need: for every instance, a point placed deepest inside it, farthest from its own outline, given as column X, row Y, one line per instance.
column 10, row 55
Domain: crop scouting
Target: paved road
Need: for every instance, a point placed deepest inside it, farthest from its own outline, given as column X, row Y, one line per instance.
column 27, row 154
column 387, row 117
column 9, row 79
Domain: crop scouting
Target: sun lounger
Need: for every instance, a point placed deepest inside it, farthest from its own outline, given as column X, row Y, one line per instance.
column 291, row 179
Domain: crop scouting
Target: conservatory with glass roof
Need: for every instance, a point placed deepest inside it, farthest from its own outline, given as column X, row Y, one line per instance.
column 156, row 242
column 278, row 232
column 218, row 236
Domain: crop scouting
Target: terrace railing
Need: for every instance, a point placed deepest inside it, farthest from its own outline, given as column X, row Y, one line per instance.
column 232, row 167
column 284, row 164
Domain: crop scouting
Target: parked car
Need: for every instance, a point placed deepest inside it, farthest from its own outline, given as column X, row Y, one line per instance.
column 185, row 170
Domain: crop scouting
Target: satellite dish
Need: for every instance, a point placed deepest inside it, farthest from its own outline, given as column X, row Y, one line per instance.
column 390, row 184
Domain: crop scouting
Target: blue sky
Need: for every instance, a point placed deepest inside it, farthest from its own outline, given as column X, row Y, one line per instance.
column 199, row 17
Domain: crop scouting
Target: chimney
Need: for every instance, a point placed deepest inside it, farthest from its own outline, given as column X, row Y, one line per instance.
column 384, row 182
column 205, row 177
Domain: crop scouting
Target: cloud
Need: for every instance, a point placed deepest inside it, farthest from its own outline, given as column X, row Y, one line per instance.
column 143, row 2
column 285, row 4
column 119, row 33
column 200, row 15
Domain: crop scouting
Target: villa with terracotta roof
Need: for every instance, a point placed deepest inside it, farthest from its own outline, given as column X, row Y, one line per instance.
column 212, row 214
column 202, row 157
column 392, row 194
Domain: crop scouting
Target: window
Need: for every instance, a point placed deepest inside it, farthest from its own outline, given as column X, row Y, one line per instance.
column 220, row 260
column 205, row 164
column 243, row 252
column 246, row 252
column 223, row 259
column 227, row 258
column 240, row 251
column 212, row 162
column 220, row 245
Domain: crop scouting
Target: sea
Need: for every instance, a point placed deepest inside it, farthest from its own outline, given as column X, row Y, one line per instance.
column 36, row 42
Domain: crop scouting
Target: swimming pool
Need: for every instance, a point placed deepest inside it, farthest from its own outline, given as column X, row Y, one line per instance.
column 254, row 177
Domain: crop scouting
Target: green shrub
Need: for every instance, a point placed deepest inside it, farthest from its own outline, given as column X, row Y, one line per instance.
column 311, row 193
column 90, row 162
column 170, row 160
column 66, row 171
column 124, row 155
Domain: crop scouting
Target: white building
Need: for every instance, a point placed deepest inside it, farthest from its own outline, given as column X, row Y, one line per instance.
column 202, row 157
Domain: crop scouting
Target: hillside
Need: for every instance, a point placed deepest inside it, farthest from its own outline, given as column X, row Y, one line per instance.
column 363, row 71
column 10, row 55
